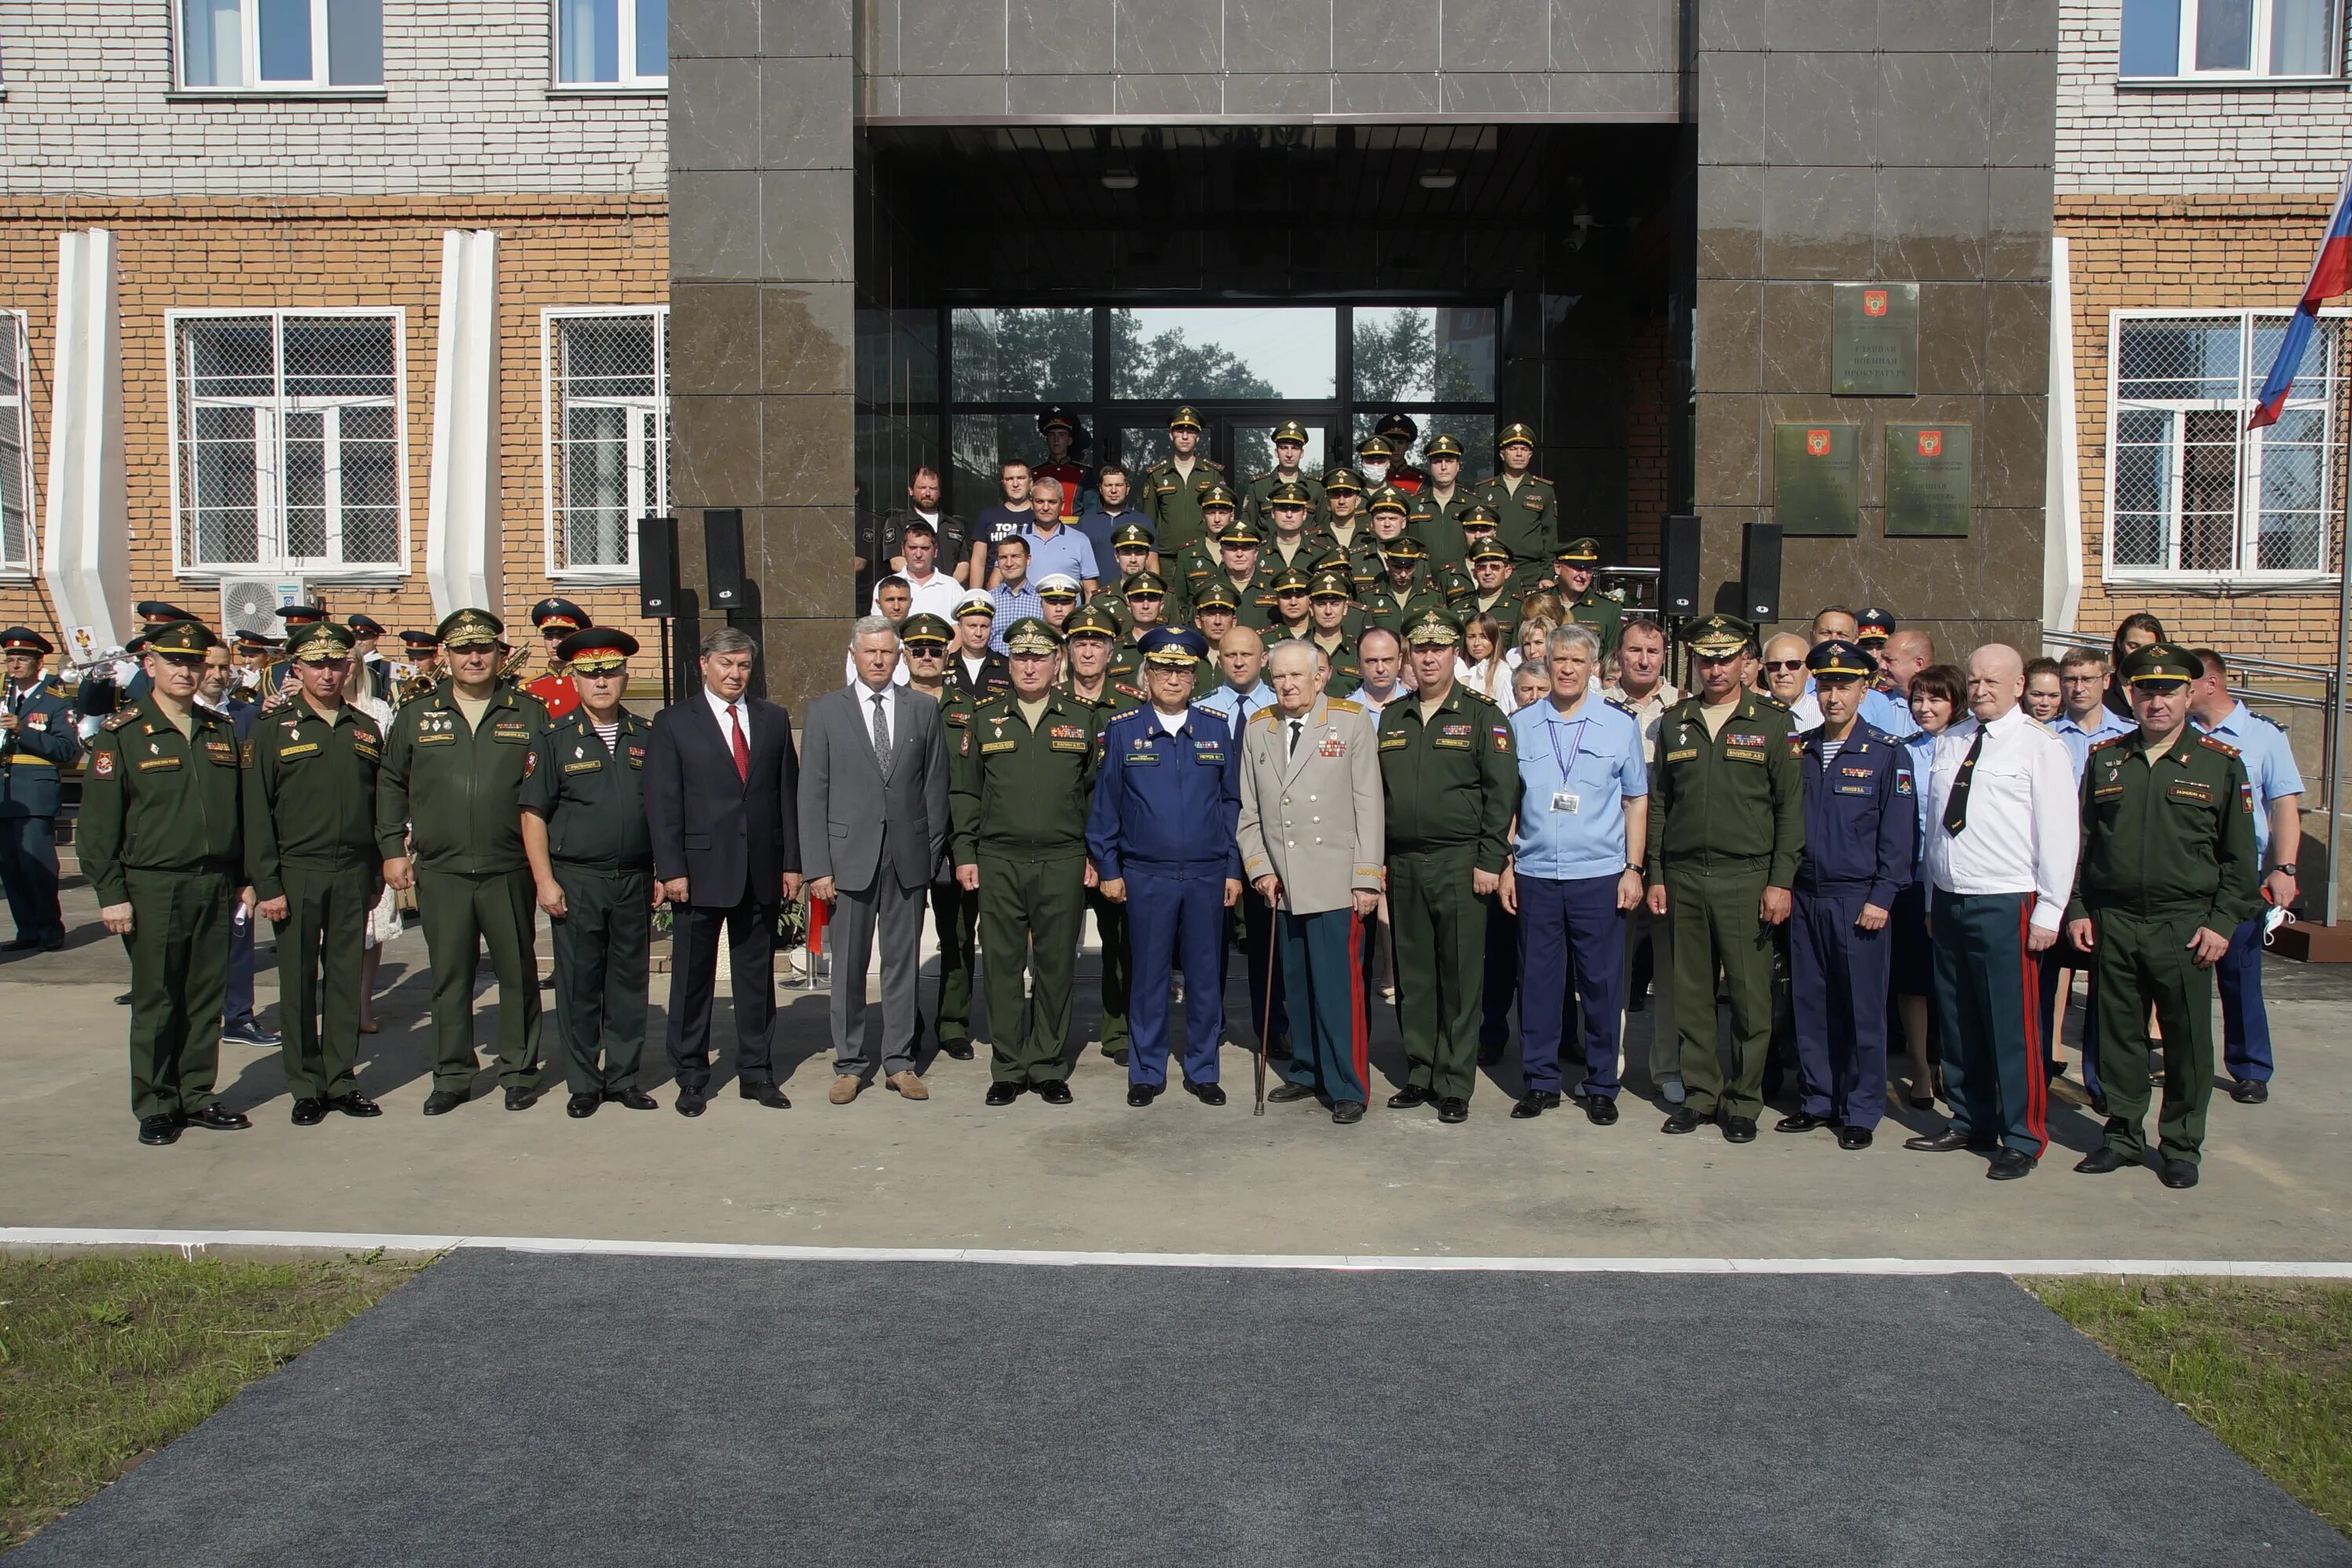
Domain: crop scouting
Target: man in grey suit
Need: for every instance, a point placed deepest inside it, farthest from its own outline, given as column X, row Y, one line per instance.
column 874, row 826
column 1310, row 835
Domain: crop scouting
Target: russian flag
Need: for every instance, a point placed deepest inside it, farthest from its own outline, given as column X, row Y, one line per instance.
column 2331, row 275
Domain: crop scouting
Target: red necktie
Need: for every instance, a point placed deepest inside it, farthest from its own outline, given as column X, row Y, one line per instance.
column 742, row 749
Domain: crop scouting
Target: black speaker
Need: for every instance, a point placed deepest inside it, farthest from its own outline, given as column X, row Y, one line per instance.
column 658, row 567
column 1759, row 573
column 1678, row 568
column 722, row 545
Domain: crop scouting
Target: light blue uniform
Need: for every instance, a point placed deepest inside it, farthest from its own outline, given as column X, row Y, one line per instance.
column 2079, row 741
column 2269, row 758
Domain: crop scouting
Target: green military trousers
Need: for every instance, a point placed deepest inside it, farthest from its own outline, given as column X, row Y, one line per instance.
column 462, row 914
column 1030, row 910
column 600, row 957
column 179, row 975
column 956, row 916
column 1117, row 970
column 1711, row 910
column 320, row 945
column 1439, row 927
column 2141, row 959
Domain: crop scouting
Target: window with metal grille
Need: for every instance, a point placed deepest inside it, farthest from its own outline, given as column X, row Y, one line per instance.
column 15, row 449
column 607, row 434
column 2192, row 491
column 290, row 450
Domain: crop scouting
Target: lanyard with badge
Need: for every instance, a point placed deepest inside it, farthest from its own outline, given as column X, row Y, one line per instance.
column 1563, row 799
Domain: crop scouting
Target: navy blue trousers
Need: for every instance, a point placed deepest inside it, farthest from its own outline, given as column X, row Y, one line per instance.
column 28, row 870
column 2245, row 1024
column 1502, row 975
column 1837, row 982
column 1571, row 938
column 1324, row 957
column 1173, row 909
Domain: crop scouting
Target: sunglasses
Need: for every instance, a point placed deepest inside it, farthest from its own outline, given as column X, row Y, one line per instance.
column 1784, row 664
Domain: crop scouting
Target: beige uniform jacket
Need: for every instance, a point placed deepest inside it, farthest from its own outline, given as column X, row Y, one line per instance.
column 1313, row 819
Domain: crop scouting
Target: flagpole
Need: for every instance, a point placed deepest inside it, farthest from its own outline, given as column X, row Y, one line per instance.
column 2335, row 727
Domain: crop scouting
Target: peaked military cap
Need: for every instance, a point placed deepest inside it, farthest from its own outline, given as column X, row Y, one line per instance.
column 302, row 614
column 1480, row 515
column 1240, row 532
column 1059, row 586
column 256, row 642
column 1432, row 629
column 1339, row 480
column 1374, row 446
column 1290, row 493
column 1184, row 419
column 1291, row 430
column 977, row 601
column 1217, row 495
column 1217, row 597
column 1442, row 447
column 1514, row 433
column 926, row 628
column 1332, row 586
column 1834, row 658
column 160, row 612
column 1176, row 646
column 1400, row 424
column 1145, row 585
column 25, row 639
column 1090, row 623
column 1030, row 635
column 181, row 639
column 1292, row 580
column 1132, row 536
column 1056, row 418
column 1872, row 625
column 364, row 625
column 2161, row 665
column 470, row 628
column 1388, row 497
column 1404, row 546
column 553, row 614
column 321, row 642
column 1718, row 636
column 421, row 642
column 592, row 650
column 1490, row 550
column 1578, row 552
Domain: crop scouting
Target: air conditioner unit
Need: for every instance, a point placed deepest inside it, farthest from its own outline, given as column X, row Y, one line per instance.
column 251, row 604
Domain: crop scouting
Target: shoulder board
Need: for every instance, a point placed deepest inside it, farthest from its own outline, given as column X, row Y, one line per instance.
column 1123, row 717
column 2110, row 741
column 1265, row 716
column 1539, row 478
column 1267, row 475
column 122, row 720
column 1339, row 705
column 1771, row 701
column 1135, row 691
column 1475, row 696
column 993, row 704
column 1619, row 704
column 2268, row 719
column 1883, row 737
column 54, row 687
column 1215, row 464
column 2223, row 747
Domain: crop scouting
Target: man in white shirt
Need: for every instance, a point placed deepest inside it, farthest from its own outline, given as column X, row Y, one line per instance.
column 1382, row 659
column 2003, row 831
column 932, row 591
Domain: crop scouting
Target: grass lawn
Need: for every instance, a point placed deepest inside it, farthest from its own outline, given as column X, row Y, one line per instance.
column 2267, row 1366
column 105, row 1359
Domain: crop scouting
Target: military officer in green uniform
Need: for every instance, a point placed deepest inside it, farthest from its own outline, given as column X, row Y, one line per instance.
column 1527, row 506
column 1726, row 824
column 1174, row 487
column 1438, row 505
column 2169, row 871
column 1086, row 644
column 1130, row 545
column 1451, row 786
column 1146, row 606
column 1344, row 523
column 1403, row 594
column 955, row 913
column 1573, row 565
column 161, row 838
column 1292, row 542
column 1294, row 616
column 1216, row 614
column 447, row 824
column 592, row 861
column 1337, row 623
column 1237, row 571
column 1018, row 788
column 1204, row 556
column 1490, row 591
column 1257, row 498
column 310, row 850
column 1368, row 561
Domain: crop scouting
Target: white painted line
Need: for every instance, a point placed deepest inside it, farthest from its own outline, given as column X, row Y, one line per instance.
column 193, row 1241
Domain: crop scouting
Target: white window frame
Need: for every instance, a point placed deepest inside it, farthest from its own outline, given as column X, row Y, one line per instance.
column 629, row 80
column 2258, row 74
column 249, row 60
column 2333, row 436
column 649, row 494
column 19, row 350
column 269, row 500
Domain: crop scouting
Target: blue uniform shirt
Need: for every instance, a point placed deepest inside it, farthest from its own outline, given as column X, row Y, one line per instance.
column 1237, row 708
column 1921, row 748
column 2263, row 746
column 1163, row 801
column 1862, row 817
column 1593, row 757
column 2079, row 741
column 1886, row 712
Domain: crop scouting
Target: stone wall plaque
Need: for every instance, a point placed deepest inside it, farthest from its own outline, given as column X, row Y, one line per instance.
column 1928, row 480
column 1875, row 340
column 1817, row 479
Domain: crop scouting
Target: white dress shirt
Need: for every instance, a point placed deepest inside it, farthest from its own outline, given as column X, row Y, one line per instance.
column 935, row 594
column 2024, row 827
column 719, row 710
column 865, row 696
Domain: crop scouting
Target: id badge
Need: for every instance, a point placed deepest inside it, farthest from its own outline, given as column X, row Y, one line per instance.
column 1565, row 800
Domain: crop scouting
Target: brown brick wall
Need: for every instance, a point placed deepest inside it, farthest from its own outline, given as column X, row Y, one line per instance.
column 552, row 251
column 2185, row 252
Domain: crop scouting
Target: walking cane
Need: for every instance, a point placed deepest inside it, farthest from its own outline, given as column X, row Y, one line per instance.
column 1265, row 1014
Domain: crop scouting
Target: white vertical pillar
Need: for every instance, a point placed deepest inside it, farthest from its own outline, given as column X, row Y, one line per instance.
column 2062, row 522
column 461, row 521
column 86, row 542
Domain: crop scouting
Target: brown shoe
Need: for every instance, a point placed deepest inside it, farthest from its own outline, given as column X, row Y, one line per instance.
column 908, row 1086
column 845, row 1089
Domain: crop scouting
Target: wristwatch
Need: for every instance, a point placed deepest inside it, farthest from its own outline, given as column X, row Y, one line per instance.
column 2285, row 866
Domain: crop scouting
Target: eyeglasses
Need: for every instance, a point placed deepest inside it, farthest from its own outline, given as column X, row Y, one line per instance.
column 1784, row 664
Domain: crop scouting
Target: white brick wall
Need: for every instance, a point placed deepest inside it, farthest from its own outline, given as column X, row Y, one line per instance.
column 89, row 111
column 2180, row 142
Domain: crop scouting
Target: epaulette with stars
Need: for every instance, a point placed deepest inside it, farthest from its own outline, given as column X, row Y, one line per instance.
column 2101, row 745
column 1340, row 705
column 1618, row 704
column 122, row 720
column 2223, row 747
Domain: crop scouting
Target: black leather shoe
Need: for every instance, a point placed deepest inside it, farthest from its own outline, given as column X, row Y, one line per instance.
column 631, row 1099
column 1054, row 1094
column 1533, row 1103
column 1408, row 1097
column 1277, row 1050
column 766, row 1094
column 123, row 999
column 158, row 1130
column 309, row 1113
column 1288, row 1093
column 1142, row 1094
column 20, row 944
column 580, row 1107
column 1600, row 1110
column 1206, row 1093
column 1683, row 1119
column 2102, row 1160
column 1854, row 1137
column 691, row 1101
column 1949, row 1140
column 1452, row 1108
column 2249, row 1091
column 2099, row 1103
column 1346, row 1112
column 1739, row 1130
column 2178, row 1175
column 354, row 1104
column 217, row 1119
column 521, row 1098
column 956, row 1050
column 54, row 942
column 1802, row 1122
column 442, row 1101
column 2008, row 1164
column 1005, row 1093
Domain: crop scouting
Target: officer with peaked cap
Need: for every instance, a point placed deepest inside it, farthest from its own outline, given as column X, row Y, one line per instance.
column 1574, row 564
column 1064, row 437
column 1438, row 504
column 1199, row 560
column 282, row 671
column 1287, row 522
column 1174, row 486
column 556, row 620
column 1258, row 497
column 1872, row 628
column 1398, row 431
column 38, row 738
column 1525, row 502
column 1087, row 645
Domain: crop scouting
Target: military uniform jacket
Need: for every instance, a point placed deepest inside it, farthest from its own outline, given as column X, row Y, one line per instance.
column 1450, row 781
column 994, row 675
column 1020, row 792
column 1862, row 815
column 1739, row 795
column 1347, row 670
column 44, row 740
column 1173, row 500
column 157, row 801
column 1438, row 525
column 1164, row 800
column 2177, row 836
column 555, row 691
column 448, row 794
column 592, row 796
column 309, row 793
column 1309, row 556
column 1505, row 609
column 1257, row 506
column 1528, row 517
column 1313, row 817
column 1118, row 696
column 1605, row 615
column 1388, row 609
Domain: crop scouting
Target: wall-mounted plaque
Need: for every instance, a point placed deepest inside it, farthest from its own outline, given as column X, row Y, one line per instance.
column 1875, row 340
column 1817, row 479
column 1928, row 485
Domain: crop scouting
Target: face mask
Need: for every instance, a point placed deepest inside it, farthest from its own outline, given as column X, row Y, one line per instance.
column 1375, row 472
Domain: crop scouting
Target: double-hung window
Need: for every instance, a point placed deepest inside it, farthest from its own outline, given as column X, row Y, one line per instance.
column 607, row 434
column 2193, row 495
column 612, row 44
column 2218, row 42
column 289, row 451
column 15, row 449
column 280, row 45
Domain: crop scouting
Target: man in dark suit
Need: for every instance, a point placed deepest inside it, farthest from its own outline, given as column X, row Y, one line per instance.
column 874, row 826
column 719, row 783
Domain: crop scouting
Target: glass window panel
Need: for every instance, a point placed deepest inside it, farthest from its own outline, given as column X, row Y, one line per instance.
column 2188, row 359
column 653, row 37
column 2151, row 38
column 1023, row 356
column 233, row 357
column 983, row 441
column 305, row 483
column 211, row 51
column 2208, row 489
column 338, row 357
column 1474, row 431
column 1413, row 353
column 2143, row 459
column 221, row 477
column 1254, row 451
column 608, row 356
column 2225, row 35
column 15, row 547
column 588, row 40
column 8, row 346
column 284, row 29
column 1186, row 354
column 355, row 43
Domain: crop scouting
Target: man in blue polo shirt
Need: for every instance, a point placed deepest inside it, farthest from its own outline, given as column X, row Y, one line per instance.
column 1054, row 545
column 1572, row 878
column 2277, row 785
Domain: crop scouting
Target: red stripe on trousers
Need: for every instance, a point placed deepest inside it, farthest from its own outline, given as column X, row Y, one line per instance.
column 2037, row 1077
column 1358, row 1036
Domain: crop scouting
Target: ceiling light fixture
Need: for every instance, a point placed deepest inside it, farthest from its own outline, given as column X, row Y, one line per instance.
column 1437, row 179
column 1118, row 180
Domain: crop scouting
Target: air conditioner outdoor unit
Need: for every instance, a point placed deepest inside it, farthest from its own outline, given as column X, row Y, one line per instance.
column 251, row 604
